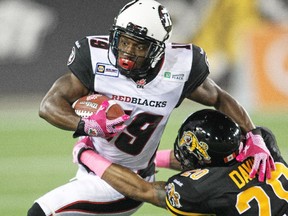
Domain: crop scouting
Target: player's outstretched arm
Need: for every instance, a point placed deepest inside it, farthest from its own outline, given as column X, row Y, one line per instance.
column 130, row 184
column 121, row 178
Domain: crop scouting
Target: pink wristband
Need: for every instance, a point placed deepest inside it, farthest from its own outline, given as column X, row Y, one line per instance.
column 95, row 162
column 163, row 158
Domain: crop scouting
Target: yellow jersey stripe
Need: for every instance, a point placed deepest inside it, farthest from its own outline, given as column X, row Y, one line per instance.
column 175, row 211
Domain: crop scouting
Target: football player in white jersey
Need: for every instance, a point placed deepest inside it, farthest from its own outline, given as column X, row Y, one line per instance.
column 149, row 77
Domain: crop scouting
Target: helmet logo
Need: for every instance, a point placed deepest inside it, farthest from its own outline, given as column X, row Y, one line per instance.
column 165, row 18
column 199, row 149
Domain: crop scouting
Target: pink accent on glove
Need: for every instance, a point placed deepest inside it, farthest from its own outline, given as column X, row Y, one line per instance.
column 98, row 124
column 95, row 162
column 163, row 158
column 85, row 143
column 263, row 161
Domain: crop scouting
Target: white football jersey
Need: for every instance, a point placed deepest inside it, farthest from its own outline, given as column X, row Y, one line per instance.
column 148, row 104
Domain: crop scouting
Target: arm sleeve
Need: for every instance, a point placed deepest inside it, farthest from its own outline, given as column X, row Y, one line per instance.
column 79, row 63
column 183, row 198
column 199, row 72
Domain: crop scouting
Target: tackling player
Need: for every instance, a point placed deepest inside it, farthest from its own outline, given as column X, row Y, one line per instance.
column 213, row 182
column 149, row 77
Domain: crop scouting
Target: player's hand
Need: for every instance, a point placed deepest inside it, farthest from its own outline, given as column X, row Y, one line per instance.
column 98, row 124
column 80, row 146
column 263, row 161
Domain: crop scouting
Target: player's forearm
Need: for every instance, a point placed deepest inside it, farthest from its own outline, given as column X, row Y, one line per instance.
column 159, row 194
column 234, row 110
column 120, row 178
column 174, row 163
column 131, row 185
column 166, row 159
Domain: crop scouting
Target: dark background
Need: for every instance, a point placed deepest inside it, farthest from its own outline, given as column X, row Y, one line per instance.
column 71, row 21
column 36, row 38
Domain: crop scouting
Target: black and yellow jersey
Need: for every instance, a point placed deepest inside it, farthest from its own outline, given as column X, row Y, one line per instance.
column 227, row 191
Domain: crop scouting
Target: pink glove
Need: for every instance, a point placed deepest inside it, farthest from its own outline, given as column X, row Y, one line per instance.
column 263, row 161
column 82, row 144
column 98, row 124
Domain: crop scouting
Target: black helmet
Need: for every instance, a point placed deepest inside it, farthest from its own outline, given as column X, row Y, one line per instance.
column 146, row 21
column 207, row 138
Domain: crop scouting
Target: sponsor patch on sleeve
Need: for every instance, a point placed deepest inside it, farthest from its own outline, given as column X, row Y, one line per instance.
column 106, row 70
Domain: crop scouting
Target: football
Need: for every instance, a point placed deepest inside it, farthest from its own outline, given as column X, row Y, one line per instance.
column 89, row 104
